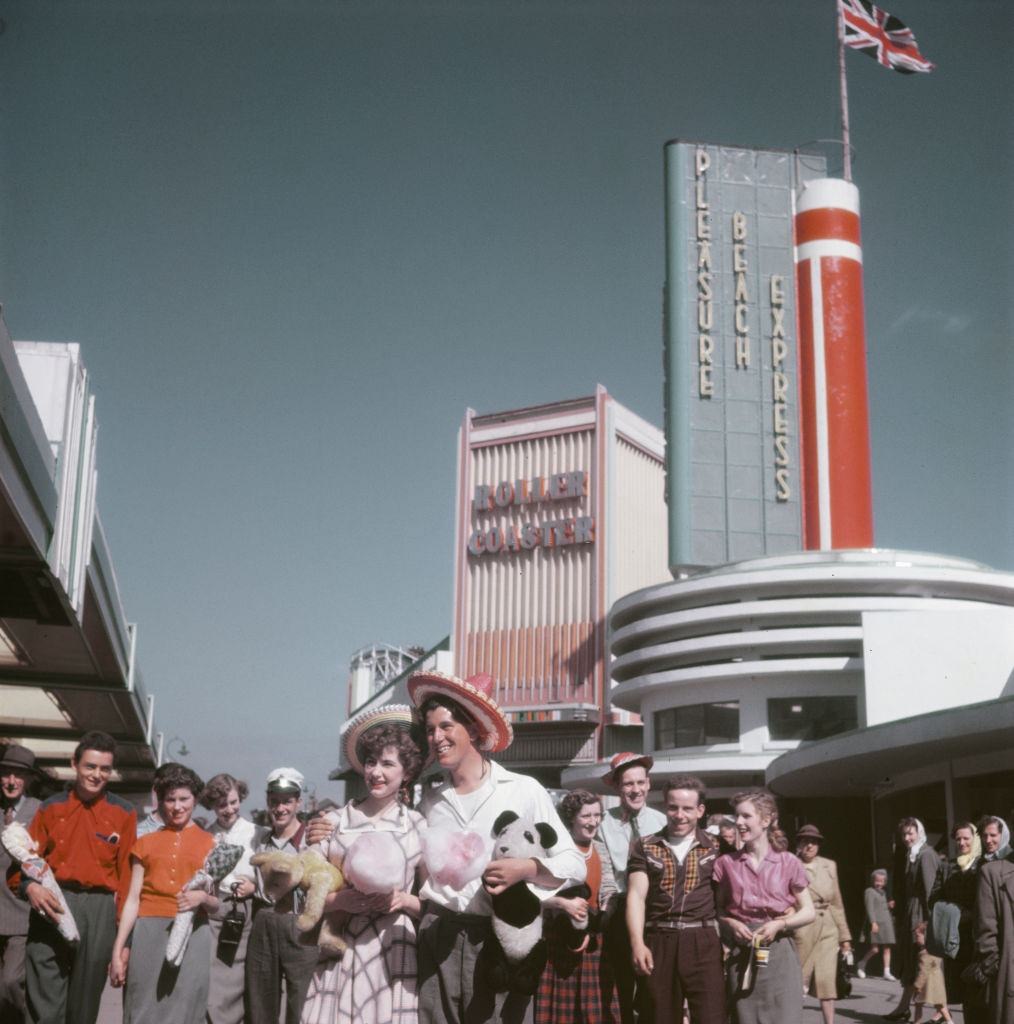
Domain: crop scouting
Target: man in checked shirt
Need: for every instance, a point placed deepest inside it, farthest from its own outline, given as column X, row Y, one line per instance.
column 85, row 836
column 672, row 915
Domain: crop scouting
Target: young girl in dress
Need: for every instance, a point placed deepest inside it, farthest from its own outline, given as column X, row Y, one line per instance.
column 762, row 896
column 375, row 980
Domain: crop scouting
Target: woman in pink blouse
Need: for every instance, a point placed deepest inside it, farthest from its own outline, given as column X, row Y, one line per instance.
column 762, row 895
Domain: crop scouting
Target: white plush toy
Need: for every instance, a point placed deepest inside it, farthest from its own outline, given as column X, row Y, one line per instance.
column 517, row 912
column 454, row 858
column 375, row 863
column 24, row 849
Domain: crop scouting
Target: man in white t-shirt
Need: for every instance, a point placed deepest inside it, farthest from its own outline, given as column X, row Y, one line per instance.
column 463, row 724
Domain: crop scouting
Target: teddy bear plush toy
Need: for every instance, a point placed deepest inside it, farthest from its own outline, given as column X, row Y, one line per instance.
column 515, row 961
column 317, row 877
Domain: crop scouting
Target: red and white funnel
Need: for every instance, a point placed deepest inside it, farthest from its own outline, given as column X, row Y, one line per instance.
column 835, row 432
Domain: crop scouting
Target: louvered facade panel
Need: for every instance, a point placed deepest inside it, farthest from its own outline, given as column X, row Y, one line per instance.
column 640, row 513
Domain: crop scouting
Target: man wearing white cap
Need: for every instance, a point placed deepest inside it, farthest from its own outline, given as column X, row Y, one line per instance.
column 463, row 725
column 628, row 775
column 274, row 951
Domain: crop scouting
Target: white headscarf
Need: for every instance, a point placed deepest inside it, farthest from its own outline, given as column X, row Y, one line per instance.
column 1004, row 847
column 920, row 841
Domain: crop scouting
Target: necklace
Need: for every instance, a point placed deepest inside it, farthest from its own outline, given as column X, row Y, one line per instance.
column 587, row 856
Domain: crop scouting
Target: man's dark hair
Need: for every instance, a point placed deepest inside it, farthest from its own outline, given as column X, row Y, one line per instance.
column 458, row 713
column 96, row 740
column 691, row 782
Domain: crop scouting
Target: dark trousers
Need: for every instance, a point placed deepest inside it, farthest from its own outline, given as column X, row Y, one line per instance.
column 452, row 989
column 274, row 954
column 616, row 951
column 64, row 984
column 687, row 964
column 12, row 979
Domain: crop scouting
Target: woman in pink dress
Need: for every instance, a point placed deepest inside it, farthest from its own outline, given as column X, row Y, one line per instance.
column 374, row 982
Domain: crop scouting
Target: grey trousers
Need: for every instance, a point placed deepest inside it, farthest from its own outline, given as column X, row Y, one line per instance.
column 12, row 979
column 64, row 985
column 274, row 954
column 451, row 990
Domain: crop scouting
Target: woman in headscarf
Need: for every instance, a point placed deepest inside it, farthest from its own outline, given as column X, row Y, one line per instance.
column 995, row 838
column 912, row 907
column 954, row 900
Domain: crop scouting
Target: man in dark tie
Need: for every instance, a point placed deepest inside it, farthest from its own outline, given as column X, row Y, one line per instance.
column 17, row 773
column 628, row 775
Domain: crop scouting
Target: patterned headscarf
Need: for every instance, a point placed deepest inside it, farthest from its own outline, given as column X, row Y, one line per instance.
column 967, row 860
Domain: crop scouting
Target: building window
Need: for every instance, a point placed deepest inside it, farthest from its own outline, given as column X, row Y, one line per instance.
column 810, row 718
column 697, row 725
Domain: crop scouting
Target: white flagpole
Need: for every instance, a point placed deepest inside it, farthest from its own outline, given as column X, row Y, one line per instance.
column 844, row 91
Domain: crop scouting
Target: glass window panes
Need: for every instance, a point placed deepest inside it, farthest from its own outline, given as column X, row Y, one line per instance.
column 810, row 718
column 697, row 725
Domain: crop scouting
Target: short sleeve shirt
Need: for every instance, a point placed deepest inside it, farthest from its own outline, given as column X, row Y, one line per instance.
column 170, row 859
column 758, row 892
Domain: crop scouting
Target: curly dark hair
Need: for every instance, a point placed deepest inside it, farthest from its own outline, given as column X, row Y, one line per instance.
column 219, row 787
column 572, row 803
column 375, row 741
column 172, row 776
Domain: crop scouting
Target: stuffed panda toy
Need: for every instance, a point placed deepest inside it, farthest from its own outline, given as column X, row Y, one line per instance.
column 515, row 961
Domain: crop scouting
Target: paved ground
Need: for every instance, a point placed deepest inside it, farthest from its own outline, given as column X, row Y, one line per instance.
column 871, row 998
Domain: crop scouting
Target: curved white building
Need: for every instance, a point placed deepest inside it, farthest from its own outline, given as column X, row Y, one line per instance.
column 734, row 666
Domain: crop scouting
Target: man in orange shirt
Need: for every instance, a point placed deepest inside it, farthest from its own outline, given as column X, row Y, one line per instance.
column 85, row 836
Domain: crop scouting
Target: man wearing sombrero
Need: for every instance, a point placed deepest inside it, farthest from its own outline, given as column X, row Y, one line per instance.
column 627, row 773
column 464, row 724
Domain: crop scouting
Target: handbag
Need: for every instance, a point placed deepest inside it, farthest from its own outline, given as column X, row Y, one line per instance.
column 230, row 934
column 843, row 983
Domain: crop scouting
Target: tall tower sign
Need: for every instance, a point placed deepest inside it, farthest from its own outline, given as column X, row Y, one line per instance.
column 731, row 388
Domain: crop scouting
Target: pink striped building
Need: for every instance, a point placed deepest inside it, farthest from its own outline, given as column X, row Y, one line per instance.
column 560, row 511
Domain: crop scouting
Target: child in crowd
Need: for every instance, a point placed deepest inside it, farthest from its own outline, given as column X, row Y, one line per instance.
column 879, row 930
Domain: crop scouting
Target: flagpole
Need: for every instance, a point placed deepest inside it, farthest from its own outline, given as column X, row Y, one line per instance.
column 844, row 93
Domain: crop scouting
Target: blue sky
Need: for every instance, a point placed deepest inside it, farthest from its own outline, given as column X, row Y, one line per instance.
column 296, row 240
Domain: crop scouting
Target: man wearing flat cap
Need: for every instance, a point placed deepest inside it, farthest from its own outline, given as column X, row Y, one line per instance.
column 274, row 951
column 627, row 773
column 17, row 772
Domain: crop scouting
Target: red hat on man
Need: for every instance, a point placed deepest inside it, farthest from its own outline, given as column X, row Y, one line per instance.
column 619, row 762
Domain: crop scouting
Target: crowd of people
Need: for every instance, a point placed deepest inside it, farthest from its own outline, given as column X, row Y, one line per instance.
column 644, row 915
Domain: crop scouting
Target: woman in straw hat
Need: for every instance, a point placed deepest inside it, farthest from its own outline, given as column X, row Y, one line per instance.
column 374, row 982
column 464, row 725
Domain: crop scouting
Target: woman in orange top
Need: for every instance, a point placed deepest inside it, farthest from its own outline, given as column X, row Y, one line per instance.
column 162, row 863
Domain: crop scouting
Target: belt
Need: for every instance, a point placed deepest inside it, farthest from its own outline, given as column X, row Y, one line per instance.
column 680, row 925
column 78, row 887
column 431, row 907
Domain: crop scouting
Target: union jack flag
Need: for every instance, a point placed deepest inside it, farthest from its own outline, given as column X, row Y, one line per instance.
column 882, row 36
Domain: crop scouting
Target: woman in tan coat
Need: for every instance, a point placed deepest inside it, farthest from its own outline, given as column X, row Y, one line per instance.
column 818, row 943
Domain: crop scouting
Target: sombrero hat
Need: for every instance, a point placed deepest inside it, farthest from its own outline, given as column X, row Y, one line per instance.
column 475, row 696
column 355, row 728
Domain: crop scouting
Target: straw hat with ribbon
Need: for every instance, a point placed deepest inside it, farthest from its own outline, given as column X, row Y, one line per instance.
column 398, row 715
